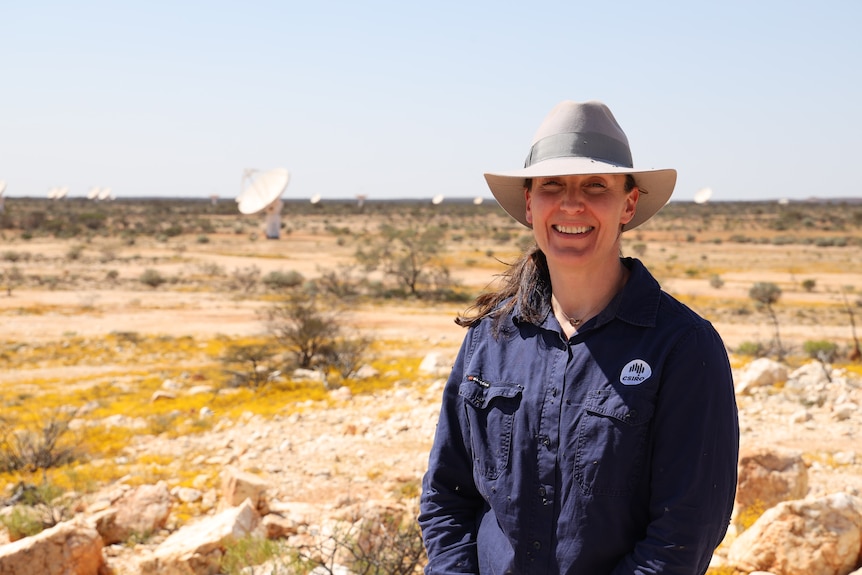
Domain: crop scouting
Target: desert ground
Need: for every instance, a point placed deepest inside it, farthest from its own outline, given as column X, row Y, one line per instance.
column 80, row 327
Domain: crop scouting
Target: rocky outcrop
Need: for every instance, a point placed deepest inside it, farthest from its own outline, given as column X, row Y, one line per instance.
column 815, row 536
column 767, row 476
column 197, row 549
column 138, row 512
column 69, row 548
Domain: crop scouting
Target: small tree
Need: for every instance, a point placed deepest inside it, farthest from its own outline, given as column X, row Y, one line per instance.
column 253, row 355
column 11, row 279
column 855, row 354
column 299, row 324
column 404, row 254
column 765, row 294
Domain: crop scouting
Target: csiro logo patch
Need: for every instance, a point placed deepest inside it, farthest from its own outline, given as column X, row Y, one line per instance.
column 635, row 372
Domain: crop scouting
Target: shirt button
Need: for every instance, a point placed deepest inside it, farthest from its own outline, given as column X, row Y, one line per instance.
column 537, row 545
column 542, row 491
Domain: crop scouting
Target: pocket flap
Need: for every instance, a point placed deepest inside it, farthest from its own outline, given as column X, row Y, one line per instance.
column 480, row 393
column 633, row 409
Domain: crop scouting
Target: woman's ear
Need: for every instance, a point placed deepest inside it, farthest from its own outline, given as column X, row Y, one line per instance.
column 630, row 206
column 529, row 214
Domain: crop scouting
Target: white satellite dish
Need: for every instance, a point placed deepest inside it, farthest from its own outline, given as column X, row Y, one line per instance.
column 783, row 202
column 477, row 201
column 438, row 199
column 702, row 195
column 61, row 193
column 93, row 194
column 52, row 193
column 104, row 194
column 315, row 199
column 2, row 187
column 263, row 194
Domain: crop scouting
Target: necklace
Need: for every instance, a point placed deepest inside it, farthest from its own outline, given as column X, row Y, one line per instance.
column 574, row 322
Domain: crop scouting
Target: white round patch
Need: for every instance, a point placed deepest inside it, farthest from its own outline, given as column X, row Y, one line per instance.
column 635, row 372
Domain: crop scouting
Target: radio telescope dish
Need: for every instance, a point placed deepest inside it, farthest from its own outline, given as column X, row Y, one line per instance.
column 52, row 193
column 61, row 193
column 263, row 194
column 438, row 199
column 315, row 199
column 2, row 187
column 783, row 202
column 104, row 194
column 702, row 195
column 93, row 193
column 477, row 201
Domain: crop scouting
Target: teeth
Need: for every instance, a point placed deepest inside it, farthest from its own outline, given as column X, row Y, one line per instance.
column 573, row 229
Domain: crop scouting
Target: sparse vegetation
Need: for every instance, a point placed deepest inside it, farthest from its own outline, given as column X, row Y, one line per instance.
column 765, row 295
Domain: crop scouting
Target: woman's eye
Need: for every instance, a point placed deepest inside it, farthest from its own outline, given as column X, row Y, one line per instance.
column 551, row 185
column 594, row 187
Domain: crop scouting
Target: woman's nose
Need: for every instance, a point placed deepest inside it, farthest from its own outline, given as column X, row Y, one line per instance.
column 572, row 200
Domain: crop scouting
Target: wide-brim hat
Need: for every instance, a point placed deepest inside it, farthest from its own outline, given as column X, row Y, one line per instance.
column 581, row 138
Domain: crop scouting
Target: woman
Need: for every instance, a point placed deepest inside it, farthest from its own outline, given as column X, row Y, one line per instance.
column 589, row 424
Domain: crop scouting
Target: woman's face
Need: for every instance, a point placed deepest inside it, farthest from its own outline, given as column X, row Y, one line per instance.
column 577, row 220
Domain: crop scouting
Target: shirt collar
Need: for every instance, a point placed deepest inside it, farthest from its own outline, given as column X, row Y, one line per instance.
column 637, row 303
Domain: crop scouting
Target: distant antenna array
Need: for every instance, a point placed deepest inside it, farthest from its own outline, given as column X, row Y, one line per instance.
column 58, row 193
column 702, row 195
column 100, row 194
column 261, row 192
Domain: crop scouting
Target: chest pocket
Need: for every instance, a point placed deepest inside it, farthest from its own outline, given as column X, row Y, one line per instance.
column 490, row 410
column 611, row 443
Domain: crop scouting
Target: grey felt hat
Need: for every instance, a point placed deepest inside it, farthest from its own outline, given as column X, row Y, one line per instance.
column 579, row 138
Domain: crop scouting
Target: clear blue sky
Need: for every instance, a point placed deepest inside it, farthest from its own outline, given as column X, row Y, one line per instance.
column 755, row 99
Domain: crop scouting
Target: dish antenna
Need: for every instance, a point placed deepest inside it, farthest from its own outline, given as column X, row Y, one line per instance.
column 2, row 187
column 2, row 197
column 360, row 200
column 52, row 193
column 783, row 202
column 104, row 194
column 702, row 195
column 477, row 201
column 438, row 199
column 61, row 193
column 315, row 199
column 93, row 194
column 263, row 194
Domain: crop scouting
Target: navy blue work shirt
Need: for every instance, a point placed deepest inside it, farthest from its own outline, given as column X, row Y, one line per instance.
column 611, row 452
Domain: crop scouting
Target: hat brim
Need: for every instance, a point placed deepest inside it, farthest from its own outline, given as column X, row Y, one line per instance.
column 656, row 186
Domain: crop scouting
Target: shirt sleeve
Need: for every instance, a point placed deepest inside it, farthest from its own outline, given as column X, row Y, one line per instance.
column 450, row 504
column 694, row 471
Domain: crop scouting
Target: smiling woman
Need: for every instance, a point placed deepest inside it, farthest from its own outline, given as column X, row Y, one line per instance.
column 589, row 423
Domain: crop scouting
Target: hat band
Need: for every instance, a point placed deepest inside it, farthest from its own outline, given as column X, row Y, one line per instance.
column 583, row 145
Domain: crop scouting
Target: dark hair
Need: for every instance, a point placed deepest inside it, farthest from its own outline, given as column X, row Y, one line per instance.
column 526, row 284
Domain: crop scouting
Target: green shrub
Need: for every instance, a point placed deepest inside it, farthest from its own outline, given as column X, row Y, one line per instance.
column 283, row 280
column 820, row 349
column 751, row 348
column 152, row 278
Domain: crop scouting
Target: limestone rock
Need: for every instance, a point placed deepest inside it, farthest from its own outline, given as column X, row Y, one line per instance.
column 69, row 548
column 139, row 511
column 197, row 549
column 761, row 372
column 237, row 486
column 815, row 536
column 766, row 477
